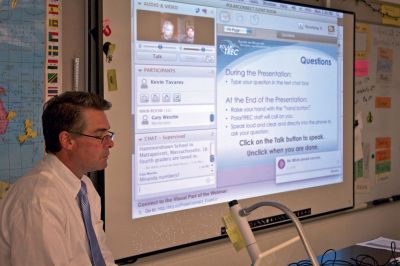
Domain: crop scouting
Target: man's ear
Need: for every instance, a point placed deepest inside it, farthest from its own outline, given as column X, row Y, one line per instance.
column 65, row 140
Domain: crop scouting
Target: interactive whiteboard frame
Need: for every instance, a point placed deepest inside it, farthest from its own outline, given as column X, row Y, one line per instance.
column 140, row 237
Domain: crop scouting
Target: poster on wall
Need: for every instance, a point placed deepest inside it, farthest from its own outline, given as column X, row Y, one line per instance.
column 28, row 76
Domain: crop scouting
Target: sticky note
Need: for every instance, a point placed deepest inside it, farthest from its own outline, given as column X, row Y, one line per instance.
column 383, row 163
column 362, row 41
column 112, row 80
column 3, row 188
column 358, row 169
column 383, row 143
column 361, row 68
column 383, row 102
column 233, row 232
column 383, row 155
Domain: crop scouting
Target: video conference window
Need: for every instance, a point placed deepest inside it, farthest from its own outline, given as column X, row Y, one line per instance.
column 166, row 27
column 232, row 104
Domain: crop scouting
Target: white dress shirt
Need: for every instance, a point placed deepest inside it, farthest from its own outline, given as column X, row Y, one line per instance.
column 41, row 222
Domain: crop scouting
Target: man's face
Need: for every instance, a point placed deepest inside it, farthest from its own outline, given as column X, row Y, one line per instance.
column 91, row 154
column 190, row 33
column 168, row 31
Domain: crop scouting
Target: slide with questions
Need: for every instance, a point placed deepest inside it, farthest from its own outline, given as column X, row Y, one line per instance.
column 268, row 92
column 247, row 108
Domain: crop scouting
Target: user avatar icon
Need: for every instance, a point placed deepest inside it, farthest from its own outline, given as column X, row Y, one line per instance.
column 144, row 84
column 281, row 164
column 145, row 120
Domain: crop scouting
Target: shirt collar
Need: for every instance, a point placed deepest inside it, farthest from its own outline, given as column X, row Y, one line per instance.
column 71, row 183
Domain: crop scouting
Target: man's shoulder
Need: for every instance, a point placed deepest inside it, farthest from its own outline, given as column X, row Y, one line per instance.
column 31, row 187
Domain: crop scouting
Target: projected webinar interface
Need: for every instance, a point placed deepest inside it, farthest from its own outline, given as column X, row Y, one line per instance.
column 232, row 101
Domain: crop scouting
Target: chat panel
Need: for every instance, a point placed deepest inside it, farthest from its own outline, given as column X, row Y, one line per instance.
column 174, row 161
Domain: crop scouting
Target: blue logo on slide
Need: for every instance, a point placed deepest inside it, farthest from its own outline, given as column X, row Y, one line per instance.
column 227, row 47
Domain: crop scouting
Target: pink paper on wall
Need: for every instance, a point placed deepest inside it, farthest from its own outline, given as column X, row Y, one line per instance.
column 361, row 68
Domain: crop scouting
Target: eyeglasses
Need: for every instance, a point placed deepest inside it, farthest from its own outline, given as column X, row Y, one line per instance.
column 108, row 136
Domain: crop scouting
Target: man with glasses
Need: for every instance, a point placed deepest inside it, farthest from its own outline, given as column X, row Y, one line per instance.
column 51, row 216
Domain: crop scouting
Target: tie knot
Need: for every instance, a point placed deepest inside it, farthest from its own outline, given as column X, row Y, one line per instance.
column 83, row 189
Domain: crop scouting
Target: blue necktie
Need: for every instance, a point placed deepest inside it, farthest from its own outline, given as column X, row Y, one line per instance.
column 95, row 252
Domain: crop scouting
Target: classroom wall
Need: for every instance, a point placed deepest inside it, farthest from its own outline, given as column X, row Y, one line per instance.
column 335, row 231
column 73, row 41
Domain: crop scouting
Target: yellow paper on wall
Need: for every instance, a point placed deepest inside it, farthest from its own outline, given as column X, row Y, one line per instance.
column 393, row 15
column 363, row 40
column 233, row 232
column 112, row 80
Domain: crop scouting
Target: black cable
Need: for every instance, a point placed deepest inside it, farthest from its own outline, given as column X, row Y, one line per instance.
column 301, row 263
column 365, row 260
column 393, row 260
column 325, row 253
column 359, row 260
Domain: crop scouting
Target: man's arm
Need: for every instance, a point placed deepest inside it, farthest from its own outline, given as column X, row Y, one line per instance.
column 38, row 236
column 102, row 239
